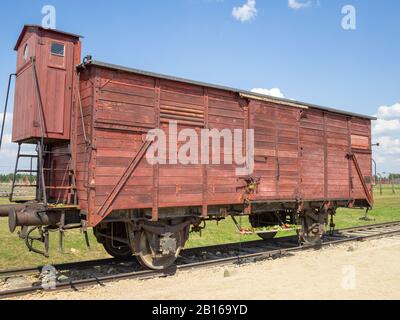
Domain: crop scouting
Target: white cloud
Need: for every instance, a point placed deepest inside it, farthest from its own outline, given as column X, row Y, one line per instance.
column 8, row 150
column 296, row 4
column 390, row 145
column 387, row 155
column 274, row 92
column 246, row 12
column 9, row 117
column 389, row 112
column 382, row 127
column 386, row 131
column 7, row 127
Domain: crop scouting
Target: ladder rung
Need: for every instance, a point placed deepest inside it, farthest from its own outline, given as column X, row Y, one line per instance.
column 27, row 171
column 23, row 185
column 28, row 156
column 60, row 188
column 48, row 169
column 58, row 153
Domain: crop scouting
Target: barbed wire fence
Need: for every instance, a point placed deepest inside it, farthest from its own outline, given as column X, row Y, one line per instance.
column 386, row 184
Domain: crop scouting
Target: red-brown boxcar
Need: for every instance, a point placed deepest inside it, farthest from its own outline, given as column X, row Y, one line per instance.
column 94, row 141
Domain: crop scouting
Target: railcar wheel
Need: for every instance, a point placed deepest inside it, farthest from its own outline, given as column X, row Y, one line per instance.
column 267, row 236
column 264, row 220
column 311, row 232
column 149, row 254
column 122, row 252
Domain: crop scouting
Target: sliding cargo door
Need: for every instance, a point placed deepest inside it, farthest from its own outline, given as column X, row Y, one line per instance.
column 324, row 163
column 312, row 155
column 337, row 180
column 263, row 118
column 288, row 152
column 180, row 180
column 276, row 153
column 226, row 113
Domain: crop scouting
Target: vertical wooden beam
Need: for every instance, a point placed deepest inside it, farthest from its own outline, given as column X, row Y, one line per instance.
column 246, row 125
column 325, row 156
column 277, row 169
column 350, row 160
column 156, row 167
column 91, row 172
column 299, row 194
column 204, row 166
column 75, row 106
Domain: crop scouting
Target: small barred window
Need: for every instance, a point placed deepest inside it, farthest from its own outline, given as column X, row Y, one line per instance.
column 57, row 49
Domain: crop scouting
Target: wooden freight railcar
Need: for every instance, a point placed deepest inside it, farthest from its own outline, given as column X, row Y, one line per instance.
column 91, row 123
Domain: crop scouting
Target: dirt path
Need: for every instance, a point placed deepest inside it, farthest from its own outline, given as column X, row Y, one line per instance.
column 367, row 270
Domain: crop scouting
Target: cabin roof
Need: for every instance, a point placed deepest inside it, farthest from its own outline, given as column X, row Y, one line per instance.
column 225, row 88
column 34, row 26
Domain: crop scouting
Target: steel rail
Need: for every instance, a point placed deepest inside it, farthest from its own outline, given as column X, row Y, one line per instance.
column 62, row 266
column 336, row 238
column 113, row 261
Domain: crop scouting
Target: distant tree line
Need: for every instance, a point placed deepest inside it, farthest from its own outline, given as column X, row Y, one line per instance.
column 394, row 176
column 391, row 178
column 5, row 178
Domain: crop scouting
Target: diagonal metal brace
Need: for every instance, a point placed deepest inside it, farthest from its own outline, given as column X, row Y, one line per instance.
column 360, row 175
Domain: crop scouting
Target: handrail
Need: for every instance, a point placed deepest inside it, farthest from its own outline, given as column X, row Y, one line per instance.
column 43, row 128
column 5, row 107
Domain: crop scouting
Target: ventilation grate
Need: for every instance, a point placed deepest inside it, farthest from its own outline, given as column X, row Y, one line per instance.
column 182, row 115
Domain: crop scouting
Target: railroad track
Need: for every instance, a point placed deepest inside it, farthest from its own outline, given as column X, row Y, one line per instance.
column 82, row 274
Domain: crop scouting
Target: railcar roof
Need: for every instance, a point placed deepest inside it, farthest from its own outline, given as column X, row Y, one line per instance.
column 209, row 85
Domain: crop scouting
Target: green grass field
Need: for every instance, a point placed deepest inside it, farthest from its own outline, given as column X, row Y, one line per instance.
column 14, row 254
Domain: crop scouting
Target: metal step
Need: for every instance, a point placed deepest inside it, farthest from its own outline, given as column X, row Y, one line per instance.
column 57, row 153
column 28, row 156
column 60, row 188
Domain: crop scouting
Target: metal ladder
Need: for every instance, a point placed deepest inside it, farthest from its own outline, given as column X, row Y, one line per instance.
column 72, row 194
column 31, row 171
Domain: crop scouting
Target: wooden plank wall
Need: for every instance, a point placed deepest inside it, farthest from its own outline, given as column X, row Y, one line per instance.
column 224, row 111
column 337, row 141
column 79, row 149
column 55, row 79
column 312, row 155
column 361, row 128
column 263, row 120
column 24, row 107
column 55, row 74
column 299, row 154
column 181, row 185
column 124, row 113
column 25, row 96
column 288, row 152
column 57, row 178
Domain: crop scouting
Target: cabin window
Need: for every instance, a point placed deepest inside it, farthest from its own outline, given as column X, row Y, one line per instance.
column 26, row 52
column 57, row 49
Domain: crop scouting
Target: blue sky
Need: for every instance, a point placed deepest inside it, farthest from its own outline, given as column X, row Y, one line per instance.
column 303, row 52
